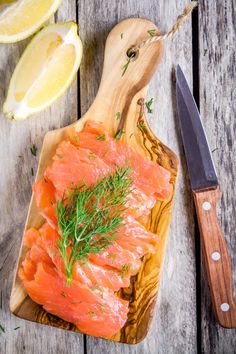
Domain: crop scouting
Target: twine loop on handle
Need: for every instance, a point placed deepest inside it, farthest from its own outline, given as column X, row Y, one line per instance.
column 132, row 53
column 155, row 38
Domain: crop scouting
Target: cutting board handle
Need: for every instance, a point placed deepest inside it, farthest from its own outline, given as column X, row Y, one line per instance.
column 117, row 88
column 216, row 256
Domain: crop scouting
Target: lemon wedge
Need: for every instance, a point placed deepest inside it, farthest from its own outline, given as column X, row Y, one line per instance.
column 45, row 70
column 19, row 19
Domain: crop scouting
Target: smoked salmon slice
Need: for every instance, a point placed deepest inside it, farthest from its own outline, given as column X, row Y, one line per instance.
column 149, row 177
column 30, row 237
column 73, row 165
column 88, row 309
column 88, row 272
column 90, row 301
column 116, row 257
column 44, row 193
column 49, row 213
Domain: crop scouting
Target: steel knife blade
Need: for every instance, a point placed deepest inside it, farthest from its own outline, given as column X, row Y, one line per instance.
column 199, row 160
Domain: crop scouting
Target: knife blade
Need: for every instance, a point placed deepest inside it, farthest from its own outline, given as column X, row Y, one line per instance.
column 199, row 160
column 206, row 193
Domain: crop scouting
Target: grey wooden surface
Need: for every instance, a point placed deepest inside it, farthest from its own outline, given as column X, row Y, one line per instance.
column 218, row 109
column 174, row 328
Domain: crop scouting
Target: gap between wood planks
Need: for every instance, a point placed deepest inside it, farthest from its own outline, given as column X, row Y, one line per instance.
column 196, row 94
column 195, row 73
column 78, row 117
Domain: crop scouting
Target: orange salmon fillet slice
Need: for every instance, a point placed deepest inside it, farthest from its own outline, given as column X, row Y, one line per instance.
column 150, row 177
column 93, row 312
column 90, row 302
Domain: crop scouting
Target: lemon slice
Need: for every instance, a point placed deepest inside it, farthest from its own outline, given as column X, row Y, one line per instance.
column 19, row 19
column 45, row 70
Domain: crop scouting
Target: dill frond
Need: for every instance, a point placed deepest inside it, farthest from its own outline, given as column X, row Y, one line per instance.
column 90, row 216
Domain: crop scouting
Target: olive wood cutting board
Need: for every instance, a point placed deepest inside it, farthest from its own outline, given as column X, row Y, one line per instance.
column 124, row 94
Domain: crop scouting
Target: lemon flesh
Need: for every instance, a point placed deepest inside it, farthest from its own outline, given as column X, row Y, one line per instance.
column 45, row 70
column 19, row 19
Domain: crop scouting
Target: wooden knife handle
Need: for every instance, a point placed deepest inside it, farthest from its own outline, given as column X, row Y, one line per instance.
column 216, row 256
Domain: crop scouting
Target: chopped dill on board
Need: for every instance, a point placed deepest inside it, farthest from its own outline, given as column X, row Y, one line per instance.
column 92, row 156
column 112, row 256
column 119, row 134
column 148, row 105
column 152, row 32
column 125, row 67
column 76, row 140
column 125, row 270
column 101, row 137
column 118, row 115
column 141, row 125
column 91, row 313
column 130, row 57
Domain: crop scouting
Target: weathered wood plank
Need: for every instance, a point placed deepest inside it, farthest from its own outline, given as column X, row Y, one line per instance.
column 15, row 190
column 174, row 326
column 218, row 110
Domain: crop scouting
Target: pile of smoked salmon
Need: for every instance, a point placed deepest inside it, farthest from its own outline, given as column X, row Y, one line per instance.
column 91, row 301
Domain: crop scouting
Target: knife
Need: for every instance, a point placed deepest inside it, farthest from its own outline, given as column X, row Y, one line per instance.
column 206, row 193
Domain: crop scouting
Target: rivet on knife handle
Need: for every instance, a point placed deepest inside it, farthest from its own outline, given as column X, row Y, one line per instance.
column 216, row 257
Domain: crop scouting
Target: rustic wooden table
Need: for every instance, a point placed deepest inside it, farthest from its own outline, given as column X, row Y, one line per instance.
column 205, row 49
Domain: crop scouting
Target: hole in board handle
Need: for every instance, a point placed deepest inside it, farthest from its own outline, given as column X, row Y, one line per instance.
column 132, row 53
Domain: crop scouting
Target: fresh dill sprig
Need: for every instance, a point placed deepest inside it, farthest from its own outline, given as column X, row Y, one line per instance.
column 118, row 115
column 152, row 32
column 125, row 67
column 90, row 216
column 92, row 156
column 112, row 256
column 101, row 137
column 101, row 308
column 148, row 105
column 130, row 57
column 119, row 134
column 76, row 140
column 205, row 52
column 91, row 313
column 141, row 125
column 125, row 270
column 34, row 150
column 65, row 295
